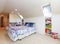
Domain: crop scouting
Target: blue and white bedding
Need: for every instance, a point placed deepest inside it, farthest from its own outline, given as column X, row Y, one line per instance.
column 19, row 32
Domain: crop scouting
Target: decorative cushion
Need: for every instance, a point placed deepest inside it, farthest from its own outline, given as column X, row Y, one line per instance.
column 29, row 24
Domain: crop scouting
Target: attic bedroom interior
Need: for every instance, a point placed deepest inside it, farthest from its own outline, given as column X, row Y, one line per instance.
column 29, row 22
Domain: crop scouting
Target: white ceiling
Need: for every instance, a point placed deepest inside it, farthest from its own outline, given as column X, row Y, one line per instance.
column 2, row 5
column 29, row 8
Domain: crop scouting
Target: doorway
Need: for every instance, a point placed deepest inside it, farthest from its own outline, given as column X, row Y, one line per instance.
column 4, row 20
column 1, row 21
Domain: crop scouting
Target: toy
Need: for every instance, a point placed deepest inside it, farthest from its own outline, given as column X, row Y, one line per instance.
column 54, row 35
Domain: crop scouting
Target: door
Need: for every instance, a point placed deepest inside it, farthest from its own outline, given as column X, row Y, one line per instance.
column 1, row 20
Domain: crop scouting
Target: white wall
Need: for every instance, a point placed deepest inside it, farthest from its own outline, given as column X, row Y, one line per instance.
column 40, row 23
column 56, row 23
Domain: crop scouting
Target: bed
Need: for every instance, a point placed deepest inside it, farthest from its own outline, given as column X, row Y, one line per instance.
column 16, row 32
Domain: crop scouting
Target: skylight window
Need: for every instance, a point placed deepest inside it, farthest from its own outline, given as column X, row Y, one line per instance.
column 47, row 10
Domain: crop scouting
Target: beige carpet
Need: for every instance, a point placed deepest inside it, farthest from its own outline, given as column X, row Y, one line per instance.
column 32, row 39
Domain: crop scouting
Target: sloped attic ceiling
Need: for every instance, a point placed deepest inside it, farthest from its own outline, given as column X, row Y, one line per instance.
column 2, row 5
column 29, row 8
